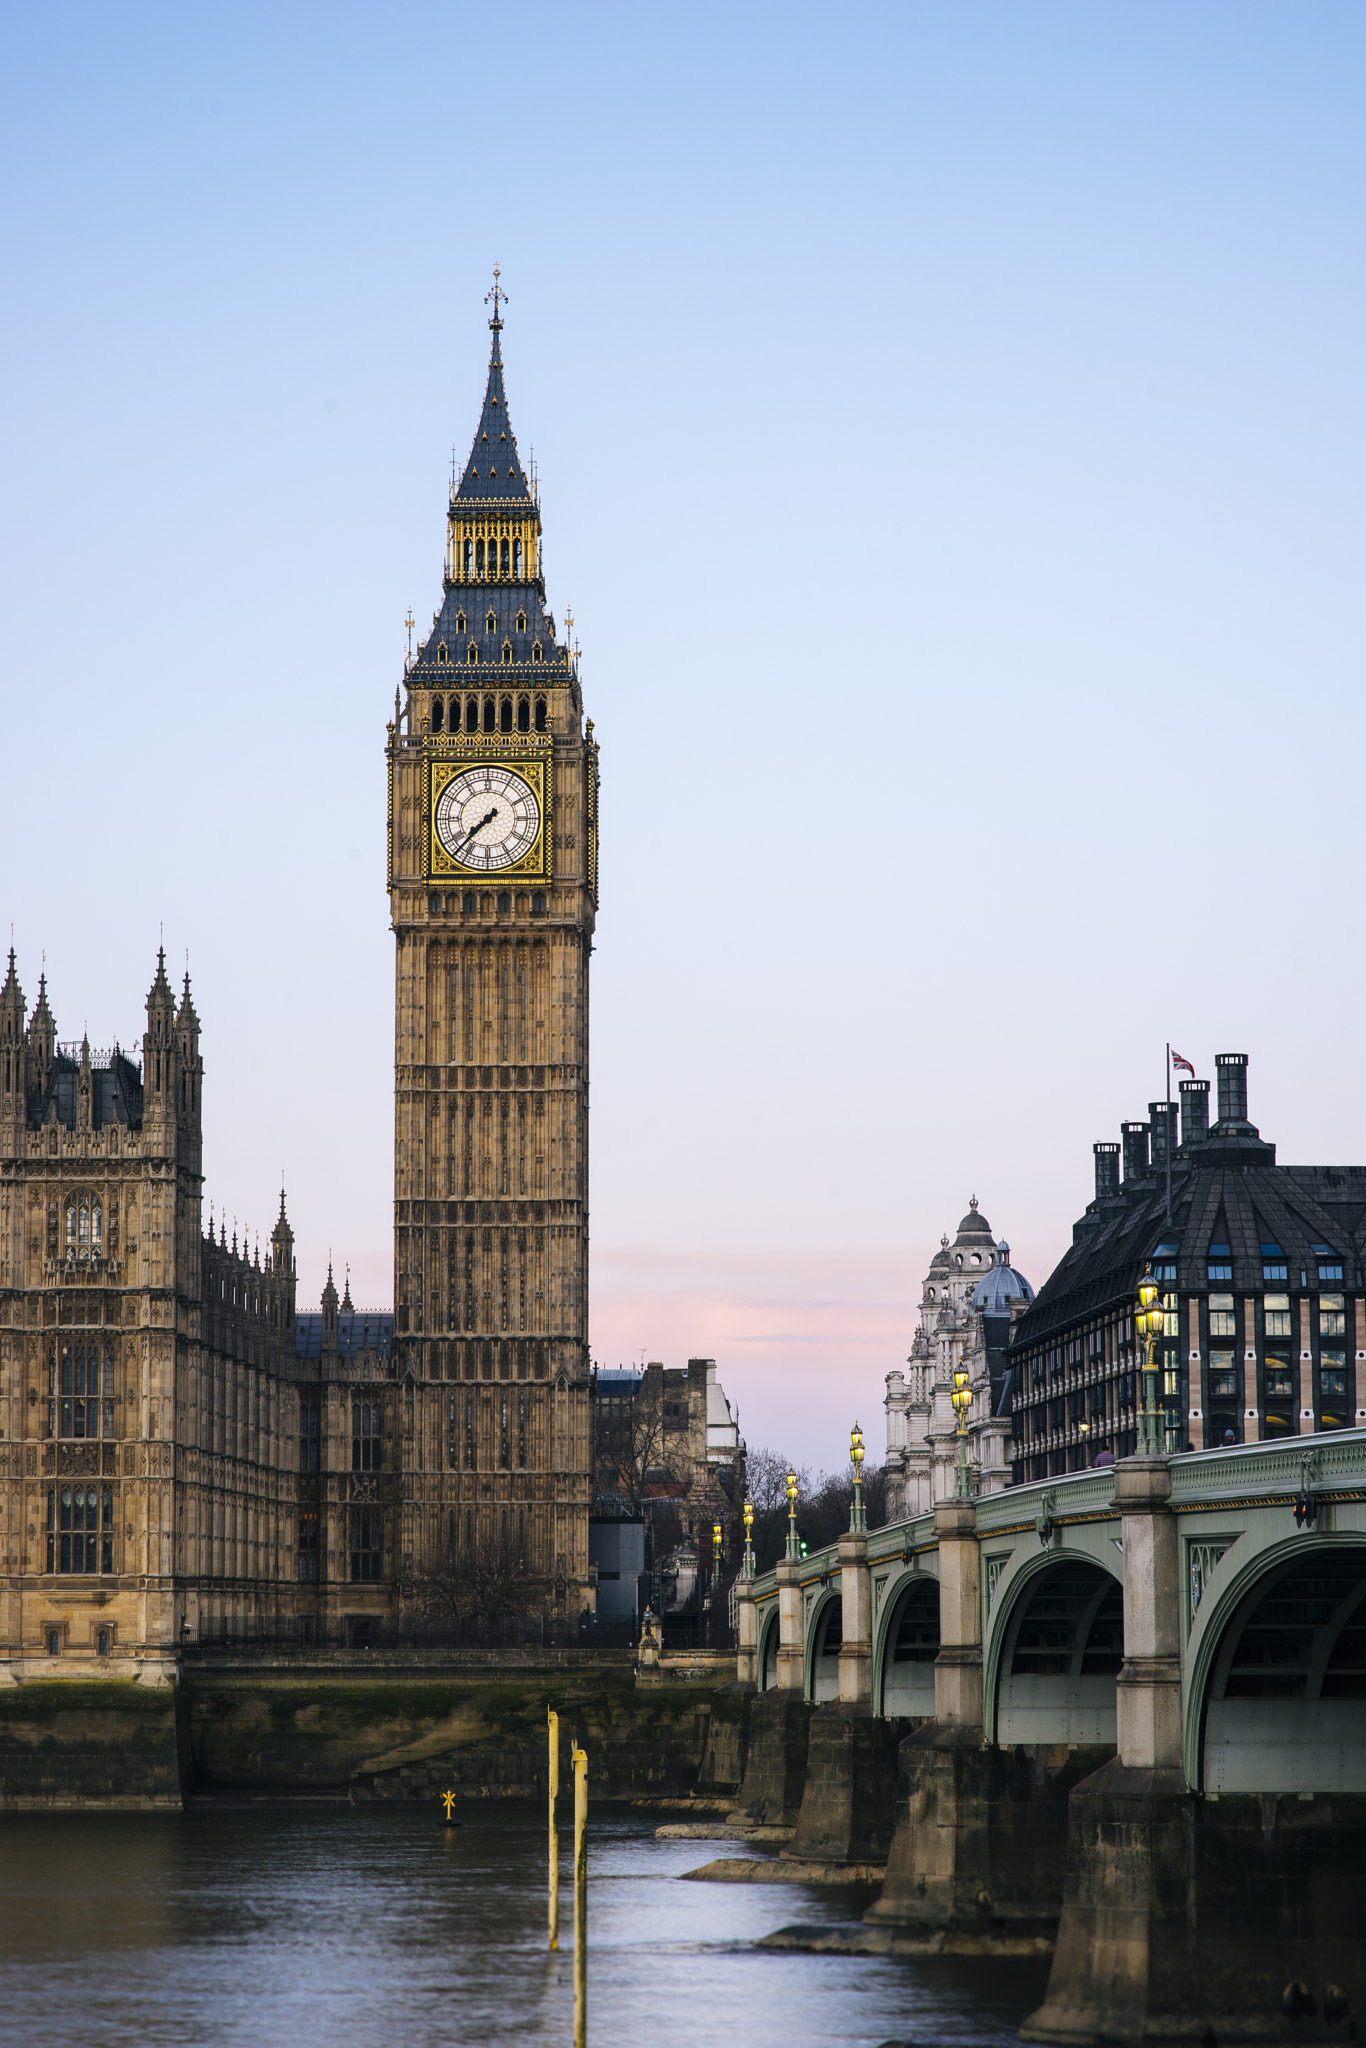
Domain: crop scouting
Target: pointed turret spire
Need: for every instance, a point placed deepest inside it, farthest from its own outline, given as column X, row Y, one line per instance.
column 12, row 992
column 187, row 1017
column 160, row 991
column 347, row 1307
column 494, row 469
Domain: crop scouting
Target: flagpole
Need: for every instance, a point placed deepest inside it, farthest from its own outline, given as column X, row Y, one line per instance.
column 1169, row 1131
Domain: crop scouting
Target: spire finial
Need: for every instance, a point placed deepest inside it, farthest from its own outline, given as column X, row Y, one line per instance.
column 499, row 297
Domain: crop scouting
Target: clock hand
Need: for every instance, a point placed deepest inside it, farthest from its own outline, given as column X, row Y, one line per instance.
column 487, row 819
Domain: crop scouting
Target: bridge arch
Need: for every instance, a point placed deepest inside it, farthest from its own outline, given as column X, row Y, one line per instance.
column 905, row 1645
column 824, row 1637
column 1055, row 1654
column 1276, row 1699
column 768, row 1647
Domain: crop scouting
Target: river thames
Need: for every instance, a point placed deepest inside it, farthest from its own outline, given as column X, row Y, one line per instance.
column 366, row 1928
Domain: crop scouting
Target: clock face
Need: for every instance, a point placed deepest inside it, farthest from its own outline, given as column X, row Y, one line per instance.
column 487, row 818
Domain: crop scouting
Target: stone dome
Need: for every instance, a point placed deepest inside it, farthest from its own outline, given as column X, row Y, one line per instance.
column 996, row 1290
column 974, row 1228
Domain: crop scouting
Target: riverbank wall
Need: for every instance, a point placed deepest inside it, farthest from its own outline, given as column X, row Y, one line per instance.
column 359, row 1725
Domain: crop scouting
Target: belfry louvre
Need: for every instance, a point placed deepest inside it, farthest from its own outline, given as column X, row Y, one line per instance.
column 1261, row 1271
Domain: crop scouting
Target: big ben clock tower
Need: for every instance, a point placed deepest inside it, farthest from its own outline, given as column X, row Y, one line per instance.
column 493, row 894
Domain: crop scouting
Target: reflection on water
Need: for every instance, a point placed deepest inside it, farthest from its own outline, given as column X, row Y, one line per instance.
column 368, row 1929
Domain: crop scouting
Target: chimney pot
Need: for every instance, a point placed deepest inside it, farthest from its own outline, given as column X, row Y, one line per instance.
column 1107, row 1170
column 1231, row 1068
column 1194, row 1111
column 1162, row 1122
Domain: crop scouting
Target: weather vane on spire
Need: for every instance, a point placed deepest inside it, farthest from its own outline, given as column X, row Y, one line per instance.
column 498, row 295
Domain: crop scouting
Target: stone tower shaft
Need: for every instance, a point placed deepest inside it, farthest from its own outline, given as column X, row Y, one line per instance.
column 493, row 895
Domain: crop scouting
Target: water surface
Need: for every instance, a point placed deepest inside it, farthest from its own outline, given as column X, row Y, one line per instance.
column 361, row 1928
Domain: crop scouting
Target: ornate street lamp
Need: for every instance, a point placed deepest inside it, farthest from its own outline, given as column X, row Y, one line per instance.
column 747, row 1567
column 961, row 1398
column 716, row 1555
column 1150, row 1326
column 793, row 1548
column 858, row 1518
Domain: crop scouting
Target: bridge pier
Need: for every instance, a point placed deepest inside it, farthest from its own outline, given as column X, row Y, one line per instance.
column 1186, row 1918
column 747, row 1653
column 775, row 1760
column 849, row 1797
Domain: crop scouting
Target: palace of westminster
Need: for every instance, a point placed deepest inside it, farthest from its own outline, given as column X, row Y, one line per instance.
column 184, row 1454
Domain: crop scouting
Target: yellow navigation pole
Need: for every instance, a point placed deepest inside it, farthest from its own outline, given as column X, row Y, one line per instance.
column 554, row 1721
column 580, row 1898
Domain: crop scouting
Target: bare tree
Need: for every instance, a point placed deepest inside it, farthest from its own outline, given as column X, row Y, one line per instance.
column 823, row 1504
column 485, row 1582
column 629, row 1433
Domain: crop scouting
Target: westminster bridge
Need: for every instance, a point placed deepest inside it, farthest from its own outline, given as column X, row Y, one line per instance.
column 1120, row 1713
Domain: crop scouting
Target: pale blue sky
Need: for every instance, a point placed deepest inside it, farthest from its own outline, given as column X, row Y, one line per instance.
column 951, row 437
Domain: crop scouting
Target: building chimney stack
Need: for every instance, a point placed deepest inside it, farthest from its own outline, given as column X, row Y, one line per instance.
column 1135, row 1138
column 1194, row 1111
column 1107, row 1171
column 1162, row 1121
column 1231, row 1068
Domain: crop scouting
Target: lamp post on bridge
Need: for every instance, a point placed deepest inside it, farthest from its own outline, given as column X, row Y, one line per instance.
column 858, row 1516
column 1150, row 1327
column 716, row 1557
column 747, row 1563
column 963, row 1488
column 793, row 1547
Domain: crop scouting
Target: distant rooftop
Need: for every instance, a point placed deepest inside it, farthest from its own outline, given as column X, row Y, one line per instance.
column 361, row 1330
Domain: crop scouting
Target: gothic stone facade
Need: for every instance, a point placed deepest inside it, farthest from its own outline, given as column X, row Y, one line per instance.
column 181, row 1452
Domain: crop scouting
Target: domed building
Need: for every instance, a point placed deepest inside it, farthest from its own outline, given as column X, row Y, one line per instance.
column 971, row 1298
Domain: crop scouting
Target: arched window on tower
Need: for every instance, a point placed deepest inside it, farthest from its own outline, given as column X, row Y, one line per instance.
column 455, row 714
column 473, row 656
column 536, row 654
column 504, row 551
column 540, row 714
column 467, row 553
column 438, row 714
column 479, row 558
column 490, row 715
column 460, row 616
column 491, row 622
column 517, row 562
column 505, row 715
column 524, row 714
column 443, row 654
column 507, row 654
column 521, row 622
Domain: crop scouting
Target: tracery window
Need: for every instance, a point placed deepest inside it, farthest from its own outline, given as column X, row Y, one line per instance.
column 84, row 1227
column 438, row 714
column 524, row 714
column 310, row 1419
column 366, row 1443
column 366, row 1531
column 308, row 1549
column 80, row 1529
column 517, row 566
column 80, row 1385
column 540, row 714
column 479, row 558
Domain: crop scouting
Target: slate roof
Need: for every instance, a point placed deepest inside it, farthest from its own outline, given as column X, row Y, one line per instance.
column 494, row 476
column 356, row 1333
column 1226, row 1189
column 493, row 479
column 115, row 1091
